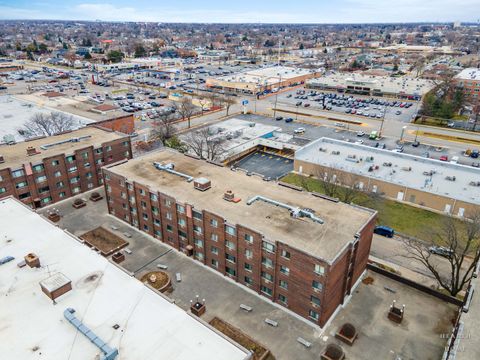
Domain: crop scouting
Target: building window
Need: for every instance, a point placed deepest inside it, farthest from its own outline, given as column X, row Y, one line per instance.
column 314, row 315
column 24, row 196
column 230, row 230
column 181, row 209
column 213, row 222
column 72, row 169
column 157, row 233
column 267, row 262
column 125, row 143
column 62, row 194
column 266, row 290
column 153, row 197
column 98, row 151
column 17, row 173
column 40, row 179
column 182, row 222
column 230, row 271
column 198, row 243
column 315, row 300
column 215, row 263
column 88, row 175
column 46, row 200
column 169, row 228
column 168, row 202
column 197, row 215
column 169, row 215
column 182, row 234
column 285, row 254
column 248, row 280
column 154, row 210
column 21, row 184
column 156, row 222
column 284, row 270
column 70, row 158
column 55, row 162
column 197, row 229
column 214, row 237
column 198, row 255
column 283, row 284
column 109, row 148
column 2, row 190
column 230, row 258
column 283, row 299
column 268, row 247
column 38, row 168
column 248, row 238
column 317, row 286
column 75, row 180
column 319, row 270
column 57, row 174
column 214, row 250
column 267, row 276
column 248, row 267
column 145, row 227
column 145, row 216
column 44, row 190
column 76, row 190
column 248, row 254
column 230, row 245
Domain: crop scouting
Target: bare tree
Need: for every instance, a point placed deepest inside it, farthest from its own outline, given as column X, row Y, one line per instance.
column 41, row 124
column 205, row 145
column 227, row 102
column 186, row 109
column 164, row 128
column 457, row 241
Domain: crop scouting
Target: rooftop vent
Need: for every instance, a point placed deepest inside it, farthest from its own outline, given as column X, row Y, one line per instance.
column 230, row 196
column 294, row 211
column 72, row 140
column 32, row 151
column 56, row 285
column 32, row 260
column 202, row 184
column 108, row 352
column 169, row 167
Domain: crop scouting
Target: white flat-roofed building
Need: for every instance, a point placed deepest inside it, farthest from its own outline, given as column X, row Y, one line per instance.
column 259, row 80
column 119, row 309
column 403, row 87
column 438, row 185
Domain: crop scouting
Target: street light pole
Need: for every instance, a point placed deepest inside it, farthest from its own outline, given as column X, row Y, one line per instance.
column 383, row 120
column 402, row 133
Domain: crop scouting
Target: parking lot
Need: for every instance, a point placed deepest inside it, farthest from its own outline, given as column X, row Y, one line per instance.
column 359, row 107
column 268, row 165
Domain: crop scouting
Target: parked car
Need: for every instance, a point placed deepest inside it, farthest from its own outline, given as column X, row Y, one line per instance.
column 278, row 118
column 360, row 133
column 444, row 158
column 299, row 130
column 288, row 120
column 384, row 231
column 440, row 250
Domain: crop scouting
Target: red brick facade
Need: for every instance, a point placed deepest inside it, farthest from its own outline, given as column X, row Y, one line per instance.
column 310, row 287
column 58, row 177
column 124, row 124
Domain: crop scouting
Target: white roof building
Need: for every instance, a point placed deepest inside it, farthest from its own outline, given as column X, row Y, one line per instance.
column 120, row 310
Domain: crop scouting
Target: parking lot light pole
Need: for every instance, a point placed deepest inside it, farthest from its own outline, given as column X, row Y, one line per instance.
column 383, row 120
column 276, row 96
column 402, row 133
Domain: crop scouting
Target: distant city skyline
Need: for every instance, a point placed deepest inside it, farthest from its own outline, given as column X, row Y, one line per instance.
column 247, row 11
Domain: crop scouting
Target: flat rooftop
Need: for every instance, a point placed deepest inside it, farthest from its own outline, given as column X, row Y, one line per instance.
column 16, row 155
column 266, row 76
column 325, row 241
column 469, row 74
column 15, row 112
column 102, row 295
column 411, row 171
column 384, row 84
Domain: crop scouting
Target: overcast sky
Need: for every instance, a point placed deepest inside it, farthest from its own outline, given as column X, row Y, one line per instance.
column 240, row 11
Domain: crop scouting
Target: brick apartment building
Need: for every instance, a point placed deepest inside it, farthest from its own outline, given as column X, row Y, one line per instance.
column 301, row 251
column 468, row 80
column 43, row 171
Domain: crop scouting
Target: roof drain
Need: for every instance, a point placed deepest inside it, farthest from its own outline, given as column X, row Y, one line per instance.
column 108, row 352
column 169, row 168
column 294, row 211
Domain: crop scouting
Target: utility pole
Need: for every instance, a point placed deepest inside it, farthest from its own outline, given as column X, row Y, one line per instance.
column 383, row 120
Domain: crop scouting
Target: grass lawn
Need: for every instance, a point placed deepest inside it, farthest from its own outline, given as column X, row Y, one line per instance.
column 403, row 218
